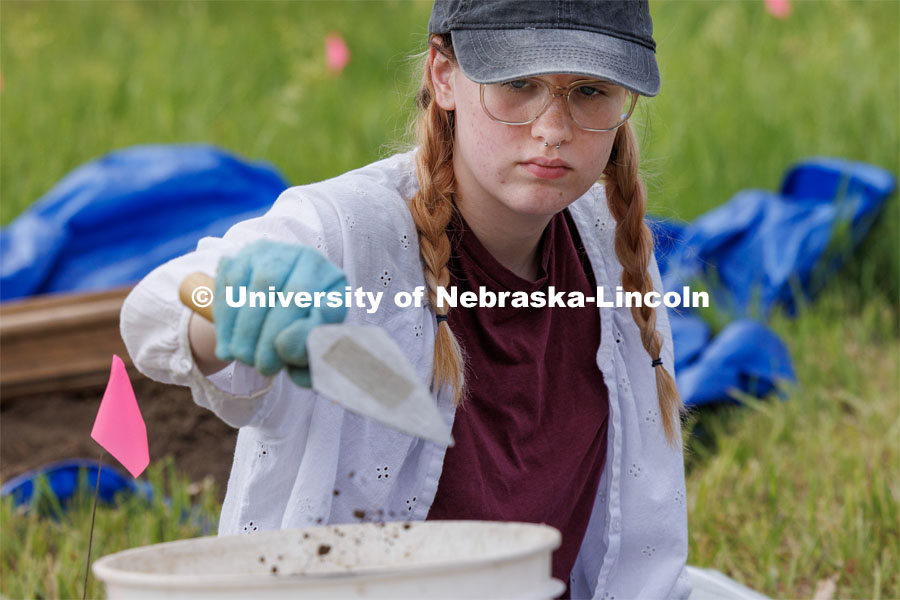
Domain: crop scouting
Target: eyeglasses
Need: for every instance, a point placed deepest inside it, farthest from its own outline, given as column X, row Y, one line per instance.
column 593, row 104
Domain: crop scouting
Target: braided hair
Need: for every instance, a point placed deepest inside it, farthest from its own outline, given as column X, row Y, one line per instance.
column 433, row 207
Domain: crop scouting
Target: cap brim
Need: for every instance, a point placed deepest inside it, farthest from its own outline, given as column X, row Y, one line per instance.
column 495, row 55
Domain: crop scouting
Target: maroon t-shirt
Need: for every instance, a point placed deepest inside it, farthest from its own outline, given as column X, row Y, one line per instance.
column 531, row 436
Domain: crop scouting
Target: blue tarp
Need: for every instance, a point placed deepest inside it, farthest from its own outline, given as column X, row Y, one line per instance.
column 63, row 480
column 112, row 221
column 67, row 478
column 761, row 248
column 757, row 251
column 746, row 355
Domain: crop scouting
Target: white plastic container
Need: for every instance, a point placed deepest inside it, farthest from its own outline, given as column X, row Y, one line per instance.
column 431, row 559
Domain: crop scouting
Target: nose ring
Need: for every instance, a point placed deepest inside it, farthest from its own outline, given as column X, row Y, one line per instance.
column 557, row 146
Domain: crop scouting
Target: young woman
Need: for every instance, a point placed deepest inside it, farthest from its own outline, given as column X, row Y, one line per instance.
column 525, row 179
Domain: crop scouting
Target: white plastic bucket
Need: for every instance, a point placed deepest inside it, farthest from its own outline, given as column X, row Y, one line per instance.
column 431, row 559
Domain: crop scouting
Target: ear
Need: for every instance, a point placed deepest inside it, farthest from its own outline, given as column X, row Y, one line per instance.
column 442, row 71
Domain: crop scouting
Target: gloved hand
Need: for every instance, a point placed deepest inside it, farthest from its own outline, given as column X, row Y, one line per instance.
column 274, row 337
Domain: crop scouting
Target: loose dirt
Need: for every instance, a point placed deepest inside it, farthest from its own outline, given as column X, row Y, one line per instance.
column 35, row 430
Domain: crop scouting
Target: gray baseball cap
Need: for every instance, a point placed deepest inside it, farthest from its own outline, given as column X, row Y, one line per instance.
column 502, row 40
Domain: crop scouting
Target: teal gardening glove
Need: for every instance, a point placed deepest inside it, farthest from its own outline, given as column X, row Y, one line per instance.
column 274, row 337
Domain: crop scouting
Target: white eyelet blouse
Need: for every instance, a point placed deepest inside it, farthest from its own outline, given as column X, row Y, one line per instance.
column 302, row 460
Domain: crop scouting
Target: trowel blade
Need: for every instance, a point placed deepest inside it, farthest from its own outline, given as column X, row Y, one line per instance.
column 361, row 368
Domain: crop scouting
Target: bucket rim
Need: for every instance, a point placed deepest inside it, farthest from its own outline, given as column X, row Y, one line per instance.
column 110, row 575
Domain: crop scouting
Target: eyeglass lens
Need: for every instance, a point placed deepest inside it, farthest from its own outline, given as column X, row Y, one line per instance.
column 594, row 105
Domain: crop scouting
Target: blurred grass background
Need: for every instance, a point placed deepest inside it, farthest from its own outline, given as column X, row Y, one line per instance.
column 783, row 496
column 43, row 551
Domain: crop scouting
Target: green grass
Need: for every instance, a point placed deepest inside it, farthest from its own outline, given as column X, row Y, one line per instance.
column 745, row 95
column 782, row 495
column 82, row 79
column 43, row 552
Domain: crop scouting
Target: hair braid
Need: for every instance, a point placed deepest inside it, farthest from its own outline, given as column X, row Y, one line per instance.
column 432, row 208
column 634, row 245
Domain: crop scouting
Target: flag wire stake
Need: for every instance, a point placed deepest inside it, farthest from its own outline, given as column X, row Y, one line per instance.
column 87, row 567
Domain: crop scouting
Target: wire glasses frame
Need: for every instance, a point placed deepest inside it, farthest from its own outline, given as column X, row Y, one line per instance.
column 564, row 92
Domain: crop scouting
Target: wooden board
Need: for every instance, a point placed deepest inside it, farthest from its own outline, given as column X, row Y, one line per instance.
column 60, row 341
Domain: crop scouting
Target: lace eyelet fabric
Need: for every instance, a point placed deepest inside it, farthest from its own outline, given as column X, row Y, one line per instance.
column 361, row 222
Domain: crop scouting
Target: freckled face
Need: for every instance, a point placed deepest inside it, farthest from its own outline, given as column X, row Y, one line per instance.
column 494, row 162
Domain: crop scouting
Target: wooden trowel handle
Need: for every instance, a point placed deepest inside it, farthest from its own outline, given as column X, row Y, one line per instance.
column 196, row 292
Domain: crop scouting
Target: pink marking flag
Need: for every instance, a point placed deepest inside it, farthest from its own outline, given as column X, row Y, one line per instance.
column 337, row 54
column 780, row 9
column 119, row 426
